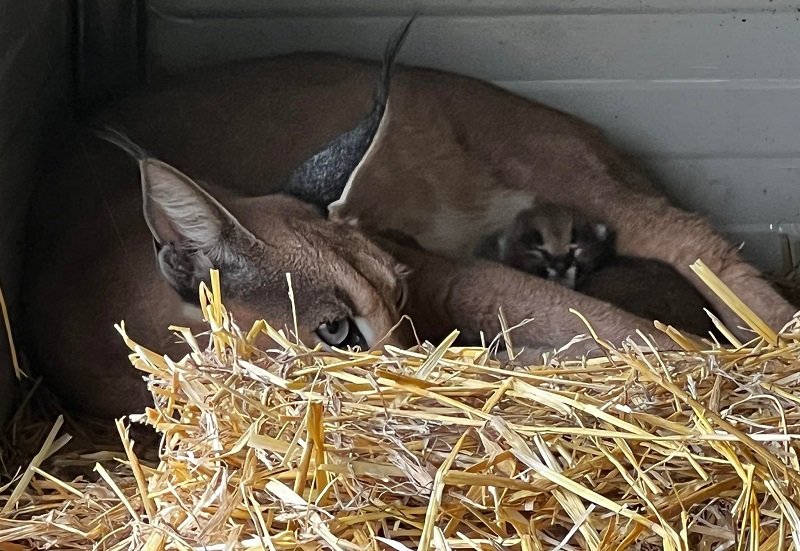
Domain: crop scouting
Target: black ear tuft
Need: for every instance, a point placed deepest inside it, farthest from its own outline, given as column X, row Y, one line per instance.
column 389, row 54
column 191, row 231
column 120, row 139
column 321, row 179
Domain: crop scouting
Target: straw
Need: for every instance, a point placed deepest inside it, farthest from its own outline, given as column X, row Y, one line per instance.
column 439, row 447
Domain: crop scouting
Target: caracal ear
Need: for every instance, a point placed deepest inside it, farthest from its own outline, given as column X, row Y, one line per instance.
column 192, row 231
column 323, row 178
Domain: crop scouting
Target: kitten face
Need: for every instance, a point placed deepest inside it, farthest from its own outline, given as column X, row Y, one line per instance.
column 555, row 243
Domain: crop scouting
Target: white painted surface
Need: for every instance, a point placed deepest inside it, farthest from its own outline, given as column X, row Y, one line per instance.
column 260, row 8
column 707, row 93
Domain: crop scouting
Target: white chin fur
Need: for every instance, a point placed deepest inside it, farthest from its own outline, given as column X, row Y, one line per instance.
column 366, row 330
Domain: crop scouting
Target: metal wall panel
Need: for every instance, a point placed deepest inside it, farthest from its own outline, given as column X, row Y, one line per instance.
column 108, row 58
column 705, row 93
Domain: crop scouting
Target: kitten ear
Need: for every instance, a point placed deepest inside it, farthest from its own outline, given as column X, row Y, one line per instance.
column 601, row 231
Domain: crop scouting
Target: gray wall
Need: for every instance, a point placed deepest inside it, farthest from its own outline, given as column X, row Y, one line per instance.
column 705, row 93
column 35, row 71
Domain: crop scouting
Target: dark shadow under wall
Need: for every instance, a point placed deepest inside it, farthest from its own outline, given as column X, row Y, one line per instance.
column 109, row 50
column 61, row 56
column 35, row 85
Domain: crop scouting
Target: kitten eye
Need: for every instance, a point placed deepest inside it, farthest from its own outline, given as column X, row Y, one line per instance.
column 531, row 238
column 341, row 333
column 578, row 251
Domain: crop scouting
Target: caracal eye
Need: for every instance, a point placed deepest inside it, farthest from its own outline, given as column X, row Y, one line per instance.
column 341, row 333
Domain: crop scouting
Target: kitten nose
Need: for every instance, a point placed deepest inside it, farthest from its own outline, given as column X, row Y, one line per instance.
column 560, row 267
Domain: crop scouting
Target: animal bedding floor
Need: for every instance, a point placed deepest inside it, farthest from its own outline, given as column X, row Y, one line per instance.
column 432, row 448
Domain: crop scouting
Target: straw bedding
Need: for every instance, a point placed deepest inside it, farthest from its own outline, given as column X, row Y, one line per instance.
column 435, row 448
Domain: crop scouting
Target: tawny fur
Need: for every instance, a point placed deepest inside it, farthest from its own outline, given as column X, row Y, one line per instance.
column 452, row 145
column 653, row 290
